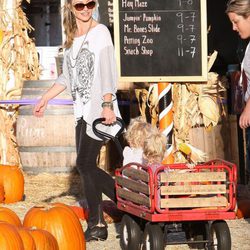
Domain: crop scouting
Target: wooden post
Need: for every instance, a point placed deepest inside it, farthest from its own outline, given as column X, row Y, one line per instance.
column 166, row 117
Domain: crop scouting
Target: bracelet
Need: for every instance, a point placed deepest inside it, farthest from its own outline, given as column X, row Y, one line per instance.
column 108, row 105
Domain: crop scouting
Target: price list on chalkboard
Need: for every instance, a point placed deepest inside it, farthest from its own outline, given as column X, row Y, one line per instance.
column 159, row 40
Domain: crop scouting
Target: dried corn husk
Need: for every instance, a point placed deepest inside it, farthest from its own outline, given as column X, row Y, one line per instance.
column 187, row 153
column 210, row 110
column 148, row 98
column 18, row 62
column 197, row 104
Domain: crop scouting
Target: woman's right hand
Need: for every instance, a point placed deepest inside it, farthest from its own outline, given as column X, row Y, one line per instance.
column 244, row 120
column 40, row 107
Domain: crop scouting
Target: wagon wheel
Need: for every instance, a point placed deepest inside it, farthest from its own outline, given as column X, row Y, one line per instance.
column 130, row 234
column 152, row 237
column 220, row 236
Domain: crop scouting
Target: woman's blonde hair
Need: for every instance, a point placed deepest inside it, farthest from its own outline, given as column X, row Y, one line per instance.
column 137, row 131
column 154, row 148
column 239, row 7
column 69, row 23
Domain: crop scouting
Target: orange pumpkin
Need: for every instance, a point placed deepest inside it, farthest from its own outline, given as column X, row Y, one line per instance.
column 1, row 194
column 43, row 239
column 28, row 241
column 243, row 210
column 11, row 178
column 9, row 216
column 80, row 212
column 10, row 238
column 61, row 222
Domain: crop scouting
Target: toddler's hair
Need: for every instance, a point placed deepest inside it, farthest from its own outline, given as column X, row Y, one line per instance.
column 154, row 148
column 137, row 131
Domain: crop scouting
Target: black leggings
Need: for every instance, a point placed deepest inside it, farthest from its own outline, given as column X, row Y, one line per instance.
column 95, row 180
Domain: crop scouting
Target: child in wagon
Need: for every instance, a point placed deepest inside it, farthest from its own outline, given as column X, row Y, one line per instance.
column 154, row 149
column 147, row 145
column 135, row 135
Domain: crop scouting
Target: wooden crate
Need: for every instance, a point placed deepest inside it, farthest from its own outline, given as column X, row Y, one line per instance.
column 219, row 142
column 133, row 186
column 193, row 190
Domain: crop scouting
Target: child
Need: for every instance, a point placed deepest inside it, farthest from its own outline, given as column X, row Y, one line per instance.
column 154, row 149
column 147, row 146
column 137, row 132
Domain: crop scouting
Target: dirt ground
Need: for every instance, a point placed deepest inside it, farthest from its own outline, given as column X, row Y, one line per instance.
column 45, row 188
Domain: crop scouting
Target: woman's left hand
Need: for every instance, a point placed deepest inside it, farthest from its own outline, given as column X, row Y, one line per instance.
column 109, row 115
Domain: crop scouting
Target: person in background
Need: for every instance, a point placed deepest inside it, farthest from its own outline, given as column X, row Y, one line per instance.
column 238, row 12
column 89, row 73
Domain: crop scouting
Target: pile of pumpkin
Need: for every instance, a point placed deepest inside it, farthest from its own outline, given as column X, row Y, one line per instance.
column 48, row 227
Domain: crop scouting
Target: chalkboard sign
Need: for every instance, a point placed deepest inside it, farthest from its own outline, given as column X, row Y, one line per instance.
column 106, row 13
column 161, row 40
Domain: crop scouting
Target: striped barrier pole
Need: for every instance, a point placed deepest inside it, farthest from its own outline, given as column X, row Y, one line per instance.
column 166, row 123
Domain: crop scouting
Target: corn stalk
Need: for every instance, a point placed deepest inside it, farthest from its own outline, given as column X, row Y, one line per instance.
column 18, row 62
column 196, row 104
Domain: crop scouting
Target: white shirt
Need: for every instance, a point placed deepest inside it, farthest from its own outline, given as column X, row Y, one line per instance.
column 246, row 67
column 90, row 72
column 132, row 155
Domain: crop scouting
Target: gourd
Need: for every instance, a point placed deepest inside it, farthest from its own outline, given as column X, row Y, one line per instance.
column 61, row 222
column 12, row 180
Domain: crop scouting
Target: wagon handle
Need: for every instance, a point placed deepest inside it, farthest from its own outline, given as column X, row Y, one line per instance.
column 104, row 135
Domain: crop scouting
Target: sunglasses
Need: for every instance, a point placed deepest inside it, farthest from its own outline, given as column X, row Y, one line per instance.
column 81, row 6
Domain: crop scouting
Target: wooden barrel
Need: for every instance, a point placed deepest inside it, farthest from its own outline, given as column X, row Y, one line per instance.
column 45, row 144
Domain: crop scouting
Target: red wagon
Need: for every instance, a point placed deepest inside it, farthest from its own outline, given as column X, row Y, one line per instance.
column 175, row 198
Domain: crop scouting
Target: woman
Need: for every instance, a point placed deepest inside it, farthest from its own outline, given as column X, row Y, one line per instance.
column 89, row 72
column 238, row 12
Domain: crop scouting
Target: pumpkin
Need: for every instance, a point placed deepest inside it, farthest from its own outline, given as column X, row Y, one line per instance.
column 12, row 180
column 9, row 216
column 80, row 212
column 61, row 222
column 28, row 241
column 243, row 210
column 43, row 239
column 1, row 194
column 10, row 238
